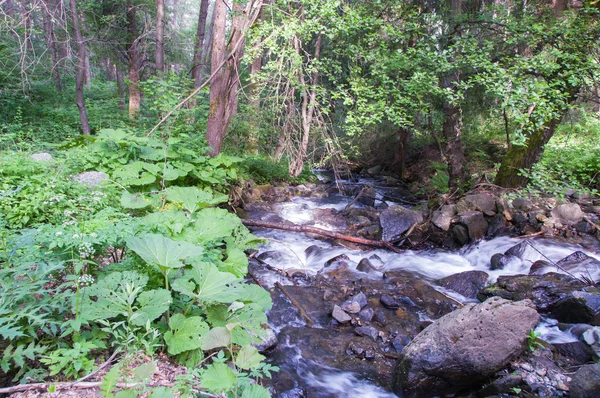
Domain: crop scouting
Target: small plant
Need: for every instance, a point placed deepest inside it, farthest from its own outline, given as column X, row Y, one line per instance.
column 533, row 340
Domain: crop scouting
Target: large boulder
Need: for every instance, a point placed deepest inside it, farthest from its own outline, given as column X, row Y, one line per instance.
column 396, row 220
column 568, row 213
column 480, row 202
column 462, row 349
column 41, row 157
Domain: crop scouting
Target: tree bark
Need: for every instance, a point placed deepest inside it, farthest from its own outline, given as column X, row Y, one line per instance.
column 80, row 77
column 309, row 103
column 133, row 57
column 253, row 101
column 197, row 66
column 452, row 132
column 120, row 87
column 208, row 38
column 50, row 43
column 160, row 35
column 523, row 157
column 224, row 87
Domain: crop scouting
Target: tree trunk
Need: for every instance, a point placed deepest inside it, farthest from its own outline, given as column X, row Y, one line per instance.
column 160, row 36
column 224, row 87
column 253, row 101
column 452, row 132
column 88, row 70
column 208, row 38
column 197, row 67
column 135, row 95
column 79, row 79
column 309, row 103
column 523, row 157
column 120, row 87
column 401, row 154
column 50, row 43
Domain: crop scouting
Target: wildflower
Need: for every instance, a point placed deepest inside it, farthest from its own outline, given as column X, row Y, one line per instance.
column 85, row 280
column 58, row 233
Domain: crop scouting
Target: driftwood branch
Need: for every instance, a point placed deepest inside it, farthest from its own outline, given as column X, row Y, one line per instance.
column 295, row 303
column 322, row 232
column 70, row 385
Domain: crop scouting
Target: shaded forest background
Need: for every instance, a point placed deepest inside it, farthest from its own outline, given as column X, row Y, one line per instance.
column 311, row 83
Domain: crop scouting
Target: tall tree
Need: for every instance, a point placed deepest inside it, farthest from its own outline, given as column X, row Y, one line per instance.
column 134, row 61
column 225, row 64
column 562, row 61
column 197, row 66
column 80, row 77
column 160, row 35
column 51, row 43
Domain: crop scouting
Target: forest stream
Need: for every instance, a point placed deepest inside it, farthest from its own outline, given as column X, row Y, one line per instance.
column 324, row 353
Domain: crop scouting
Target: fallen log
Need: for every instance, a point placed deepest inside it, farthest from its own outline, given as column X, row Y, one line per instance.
column 309, row 321
column 322, row 232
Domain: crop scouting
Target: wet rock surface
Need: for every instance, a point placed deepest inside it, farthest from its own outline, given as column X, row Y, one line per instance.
column 467, row 283
column 464, row 347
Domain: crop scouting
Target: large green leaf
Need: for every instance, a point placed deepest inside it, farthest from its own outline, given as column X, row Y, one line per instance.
column 216, row 337
column 256, row 391
column 236, row 262
column 255, row 294
column 134, row 201
column 248, row 358
column 151, row 305
column 121, row 293
column 185, row 333
column 218, row 377
column 162, row 251
column 192, row 198
column 212, row 225
column 205, row 283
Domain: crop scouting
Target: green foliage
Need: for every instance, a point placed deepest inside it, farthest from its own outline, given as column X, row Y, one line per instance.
column 533, row 340
column 263, row 170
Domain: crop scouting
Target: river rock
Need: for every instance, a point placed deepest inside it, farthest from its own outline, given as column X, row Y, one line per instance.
column 499, row 261
column 460, row 233
column 522, row 204
column 591, row 337
column 467, row 283
column 367, row 331
column 568, row 213
column 367, row 314
column 42, row 157
column 441, row 220
column 573, row 354
column 544, row 290
column 479, row 202
column 396, row 220
column 464, row 348
column 355, row 303
column 367, row 196
column 364, row 265
column 578, row 307
column 340, row 315
column 519, row 249
column 586, row 382
column 90, row 179
column 475, row 223
column 375, row 170
column 339, row 261
column 389, row 302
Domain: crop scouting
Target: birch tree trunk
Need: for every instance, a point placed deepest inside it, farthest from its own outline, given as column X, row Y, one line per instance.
column 309, row 103
column 51, row 44
column 160, row 35
column 80, row 77
column 133, row 57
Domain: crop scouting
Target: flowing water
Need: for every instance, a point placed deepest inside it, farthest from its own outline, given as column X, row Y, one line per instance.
column 286, row 251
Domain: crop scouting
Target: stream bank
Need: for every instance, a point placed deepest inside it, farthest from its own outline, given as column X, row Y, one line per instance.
column 345, row 315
